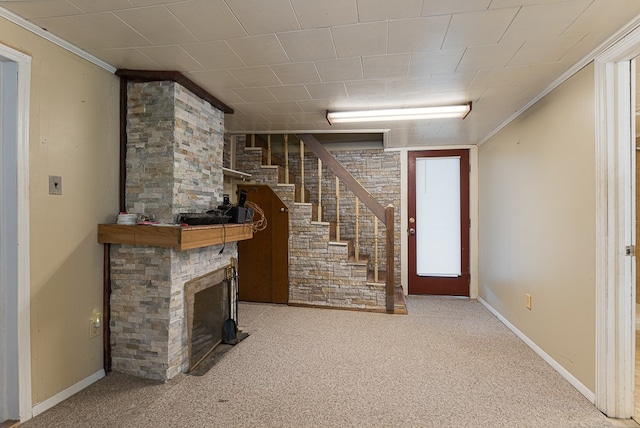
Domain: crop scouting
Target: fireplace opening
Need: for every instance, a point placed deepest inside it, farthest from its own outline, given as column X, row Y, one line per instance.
column 208, row 305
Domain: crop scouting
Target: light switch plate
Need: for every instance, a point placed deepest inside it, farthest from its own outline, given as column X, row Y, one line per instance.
column 55, row 185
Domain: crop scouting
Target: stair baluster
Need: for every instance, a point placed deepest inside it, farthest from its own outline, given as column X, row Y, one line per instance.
column 319, row 189
column 286, row 158
column 268, row 149
column 375, row 251
column 357, row 238
column 337, row 209
column 301, row 171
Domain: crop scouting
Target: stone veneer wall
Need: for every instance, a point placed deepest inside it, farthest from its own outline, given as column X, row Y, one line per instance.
column 379, row 172
column 174, row 151
column 319, row 274
column 174, row 164
column 148, row 320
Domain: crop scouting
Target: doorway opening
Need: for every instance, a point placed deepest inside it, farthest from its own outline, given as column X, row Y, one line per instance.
column 15, row 354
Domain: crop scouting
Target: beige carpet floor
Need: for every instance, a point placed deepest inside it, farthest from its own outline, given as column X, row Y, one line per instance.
column 449, row 363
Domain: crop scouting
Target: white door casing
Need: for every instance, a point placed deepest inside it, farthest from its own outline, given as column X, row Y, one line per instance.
column 615, row 227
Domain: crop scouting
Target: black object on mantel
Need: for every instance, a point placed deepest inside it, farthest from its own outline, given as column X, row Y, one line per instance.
column 210, row 217
column 237, row 213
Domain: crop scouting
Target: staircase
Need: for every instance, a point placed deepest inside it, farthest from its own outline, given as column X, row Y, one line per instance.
column 324, row 271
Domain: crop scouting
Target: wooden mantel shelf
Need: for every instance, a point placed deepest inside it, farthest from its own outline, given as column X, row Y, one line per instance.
column 177, row 237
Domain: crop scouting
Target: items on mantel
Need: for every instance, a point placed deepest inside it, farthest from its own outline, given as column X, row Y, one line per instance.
column 174, row 236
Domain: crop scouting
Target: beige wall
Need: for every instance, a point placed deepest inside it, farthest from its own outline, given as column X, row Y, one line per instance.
column 73, row 134
column 537, row 224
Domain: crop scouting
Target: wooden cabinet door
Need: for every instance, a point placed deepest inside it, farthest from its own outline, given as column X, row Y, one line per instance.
column 263, row 261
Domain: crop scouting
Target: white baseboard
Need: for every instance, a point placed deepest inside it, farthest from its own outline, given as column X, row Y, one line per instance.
column 590, row 395
column 63, row 395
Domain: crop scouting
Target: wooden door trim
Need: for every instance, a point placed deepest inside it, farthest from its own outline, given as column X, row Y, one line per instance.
column 440, row 286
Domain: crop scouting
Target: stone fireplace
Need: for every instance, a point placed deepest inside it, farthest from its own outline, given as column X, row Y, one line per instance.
column 174, row 164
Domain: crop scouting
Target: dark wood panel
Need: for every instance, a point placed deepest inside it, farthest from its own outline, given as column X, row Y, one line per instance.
column 263, row 262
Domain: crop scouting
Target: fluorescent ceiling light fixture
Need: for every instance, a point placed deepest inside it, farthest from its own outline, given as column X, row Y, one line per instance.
column 438, row 112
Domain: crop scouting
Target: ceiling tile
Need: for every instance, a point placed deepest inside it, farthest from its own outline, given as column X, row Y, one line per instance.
column 439, row 7
column 255, row 76
column 418, row 34
column 67, row 30
column 386, row 66
column 497, row 78
column 499, row 4
column 93, row 6
column 143, row 3
column 114, row 32
column 539, row 76
column 296, row 73
column 434, row 62
column 408, row 87
column 365, row 88
column 381, row 10
column 213, row 55
column 543, row 50
column 312, row 106
column 207, row 19
column 129, row 58
column 325, row 13
column 592, row 18
column 214, row 79
column 262, row 17
column 254, row 95
column 252, row 109
column 556, row 17
column 284, row 107
column 157, row 25
column 290, row 92
column 360, row 39
column 41, row 9
column 490, row 56
column 323, row 91
column 308, row 45
column 259, row 50
column 578, row 51
column 171, row 57
column 450, row 82
column 228, row 97
column 334, row 70
column 278, row 118
column 318, row 116
column 478, row 28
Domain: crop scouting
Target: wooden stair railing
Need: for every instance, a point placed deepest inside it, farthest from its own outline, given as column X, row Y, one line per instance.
column 384, row 214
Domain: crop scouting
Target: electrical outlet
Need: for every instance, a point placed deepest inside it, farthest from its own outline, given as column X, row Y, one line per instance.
column 95, row 326
column 528, row 301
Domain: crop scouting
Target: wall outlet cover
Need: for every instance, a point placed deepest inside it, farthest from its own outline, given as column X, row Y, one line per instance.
column 55, row 185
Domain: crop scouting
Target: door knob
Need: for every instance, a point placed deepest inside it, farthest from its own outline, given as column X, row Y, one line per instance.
column 283, row 210
column 412, row 231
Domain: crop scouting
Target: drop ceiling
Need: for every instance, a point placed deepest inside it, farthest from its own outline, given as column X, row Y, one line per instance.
column 281, row 64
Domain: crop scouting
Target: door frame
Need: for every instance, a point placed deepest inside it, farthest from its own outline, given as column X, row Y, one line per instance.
column 16, row 215
column 615, row 227
column 465, row 207
column 404, row 207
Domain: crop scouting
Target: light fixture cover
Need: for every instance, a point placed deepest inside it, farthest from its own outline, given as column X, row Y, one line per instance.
column 437, row 112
